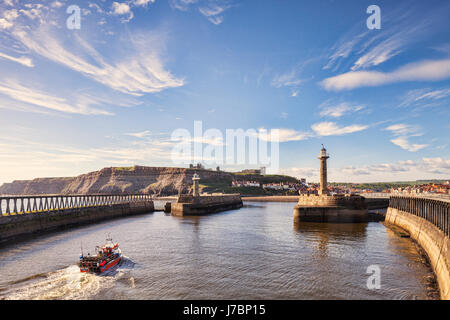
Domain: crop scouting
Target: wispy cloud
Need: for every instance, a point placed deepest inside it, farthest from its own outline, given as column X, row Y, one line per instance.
column 71, row 102
column 142, row 2
column 332, row 129
column 429, row 70
column 182, row 5
column 28, row 62
column 404, row 143
column 292, row 78
column 365, row 49
column 403, row 133
column 141, row 134
column 286, row 135
column 122, row 9
column 402, row 129
column 395, row 41
column 140, row 72
column 403, row 169
column 213, row 12
column 331, row 109
column 26, row 158
column 343, row 48
column 424, row 97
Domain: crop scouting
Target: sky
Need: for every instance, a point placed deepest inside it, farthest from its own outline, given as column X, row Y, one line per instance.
column 112, row 92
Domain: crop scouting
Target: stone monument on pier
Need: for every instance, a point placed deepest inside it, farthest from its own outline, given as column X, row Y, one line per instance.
column 323, row 156
column 197, row 204
column 323, row 207
column 195, row 190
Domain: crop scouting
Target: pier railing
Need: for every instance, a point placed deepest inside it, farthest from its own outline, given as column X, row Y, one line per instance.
column 437, row 196
column 11, row 205
column 435, row 211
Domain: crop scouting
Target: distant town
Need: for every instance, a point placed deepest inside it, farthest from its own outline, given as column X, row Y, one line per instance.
column 256, row 181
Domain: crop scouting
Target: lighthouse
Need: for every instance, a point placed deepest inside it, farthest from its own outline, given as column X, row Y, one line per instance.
column 195, row 180
column 323, row 156
column 323, row 207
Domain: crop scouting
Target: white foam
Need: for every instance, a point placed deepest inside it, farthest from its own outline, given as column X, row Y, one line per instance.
column 68, row 283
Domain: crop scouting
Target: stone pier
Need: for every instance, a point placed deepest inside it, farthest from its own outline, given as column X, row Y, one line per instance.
column 189, row 205
column 428, row 223
column 195, row 204
column 22, row 216
column 329, row 208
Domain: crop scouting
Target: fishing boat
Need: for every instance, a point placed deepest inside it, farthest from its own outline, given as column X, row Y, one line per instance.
column 106, row 257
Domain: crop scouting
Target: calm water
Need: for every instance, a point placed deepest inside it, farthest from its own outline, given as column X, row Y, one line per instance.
column 253, row 253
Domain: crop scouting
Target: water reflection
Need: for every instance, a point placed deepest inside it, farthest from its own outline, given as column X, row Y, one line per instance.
column 250, row 253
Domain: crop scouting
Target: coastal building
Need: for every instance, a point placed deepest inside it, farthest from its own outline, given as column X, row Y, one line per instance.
column 324, row 206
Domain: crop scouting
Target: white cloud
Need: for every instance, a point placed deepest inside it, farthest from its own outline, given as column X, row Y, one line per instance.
column 403, row 143
column 142, row 134
column 292, row 77
column 96, row 7
column 120, row 8
column 342, row 49
column 289, row 79
column 182, row 5
column 34, row 12
column 300, row 172
column 25, row 158
column 430, row 168
column 436, row 165
column 338, row 110
column 5, row 24
column 11, row 15
column 424, row 97
column 142, row 71
column 402, row 129
column 22, row 60
column 287, row 135
column 213, row 11
column 332, row 129
column 8, row 18
column 423, row 167
column 394, row 42
column 280, row 135
column 210, row 140
column 8, row 2
column 57, row 4
column 403, row 133
column 363, row 48
column 216, row 19
column 75, row 103
column 429, row 70
column 142, row 2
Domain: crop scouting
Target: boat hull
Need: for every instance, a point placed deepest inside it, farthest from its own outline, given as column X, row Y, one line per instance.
column 103, row 268
column 110, row 264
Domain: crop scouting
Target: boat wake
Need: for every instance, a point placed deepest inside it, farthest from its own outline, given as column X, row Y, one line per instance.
column 67, row 284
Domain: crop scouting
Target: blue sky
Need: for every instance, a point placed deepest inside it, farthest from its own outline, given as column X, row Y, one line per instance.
column 112, row 92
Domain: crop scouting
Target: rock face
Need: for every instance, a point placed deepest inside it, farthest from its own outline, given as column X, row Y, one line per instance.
column 137, row 179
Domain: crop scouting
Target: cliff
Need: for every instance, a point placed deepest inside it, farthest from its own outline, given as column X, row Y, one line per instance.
column 137, row 179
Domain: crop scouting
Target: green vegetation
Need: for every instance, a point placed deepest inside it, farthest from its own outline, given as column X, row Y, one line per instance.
column 123, row 168
column 384, row 185
column 224, row 184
